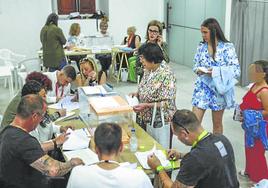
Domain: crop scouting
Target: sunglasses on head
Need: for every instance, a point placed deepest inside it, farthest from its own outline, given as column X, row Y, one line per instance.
column 174, row 120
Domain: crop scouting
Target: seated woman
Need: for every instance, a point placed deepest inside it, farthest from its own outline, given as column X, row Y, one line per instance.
column 132, row 40
column 104, row 58
column 75, row 40
column 88, row 74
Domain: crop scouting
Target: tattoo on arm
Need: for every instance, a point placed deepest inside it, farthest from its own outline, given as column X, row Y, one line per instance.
column 51, row 167
column 178, row 184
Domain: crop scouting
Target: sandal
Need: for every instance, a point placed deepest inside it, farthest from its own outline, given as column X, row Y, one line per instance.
column 243, row 173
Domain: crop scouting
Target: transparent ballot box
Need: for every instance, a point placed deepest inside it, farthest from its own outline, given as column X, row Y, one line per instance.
column 96, row 108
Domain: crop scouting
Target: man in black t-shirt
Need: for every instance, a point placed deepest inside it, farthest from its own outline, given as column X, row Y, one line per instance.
column 209, row 164
column 21, row 156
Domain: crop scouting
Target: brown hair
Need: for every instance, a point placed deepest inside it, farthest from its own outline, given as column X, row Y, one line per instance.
column 215, row 32
column 73, row 29
column 154, row 23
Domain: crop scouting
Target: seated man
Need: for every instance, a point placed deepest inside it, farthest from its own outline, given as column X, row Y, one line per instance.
column 210, row 163
column 61, row 83
column 108, row 173
column 23, row 162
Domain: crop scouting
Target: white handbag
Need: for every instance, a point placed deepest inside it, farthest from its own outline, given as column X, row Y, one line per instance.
column 160, row 134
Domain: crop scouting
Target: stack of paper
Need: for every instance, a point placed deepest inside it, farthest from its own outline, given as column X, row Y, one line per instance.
column 103, row 102
column 143, row 157
column 65, row 103
column 87, row 155
column 78, row 139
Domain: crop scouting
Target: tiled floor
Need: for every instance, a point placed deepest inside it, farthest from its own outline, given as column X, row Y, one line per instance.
column 185, row 82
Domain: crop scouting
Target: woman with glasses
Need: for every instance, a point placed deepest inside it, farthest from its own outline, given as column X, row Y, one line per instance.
column 88, row 75
column 157, row 90
column 215, row 56
column 153, row 35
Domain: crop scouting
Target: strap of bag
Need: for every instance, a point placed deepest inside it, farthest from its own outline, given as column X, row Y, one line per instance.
column 161, row 113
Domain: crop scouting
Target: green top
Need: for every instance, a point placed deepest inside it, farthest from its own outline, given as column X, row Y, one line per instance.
column 11, row 111
column 52, row 39
column 165, row 51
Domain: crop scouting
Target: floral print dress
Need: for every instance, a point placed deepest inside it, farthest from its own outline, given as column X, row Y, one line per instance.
column 157, row 86
column 203, row 96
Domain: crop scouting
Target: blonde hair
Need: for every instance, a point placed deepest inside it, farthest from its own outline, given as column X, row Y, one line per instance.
column 90, row 61
column 74, row 28
column 131, row 29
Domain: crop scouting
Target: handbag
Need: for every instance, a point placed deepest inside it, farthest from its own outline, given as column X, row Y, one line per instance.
column 160, row 131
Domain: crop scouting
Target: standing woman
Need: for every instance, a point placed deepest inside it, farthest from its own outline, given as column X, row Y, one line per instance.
column 52, row 40
column 214, row 52
column 153, row 35
column 157, row 87
column 257, row 99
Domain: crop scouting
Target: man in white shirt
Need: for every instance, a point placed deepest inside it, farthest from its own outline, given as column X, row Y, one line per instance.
column 108, row 173
column 61, row 83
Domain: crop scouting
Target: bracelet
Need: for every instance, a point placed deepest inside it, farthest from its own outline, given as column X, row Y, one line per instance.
column 55, row 144
column 159, row 169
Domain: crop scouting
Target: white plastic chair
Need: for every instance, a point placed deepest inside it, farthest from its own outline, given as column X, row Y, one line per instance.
column 8, row 65
column 27, row 66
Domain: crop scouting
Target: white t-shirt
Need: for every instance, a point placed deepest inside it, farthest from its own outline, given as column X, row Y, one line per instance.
column 62, row 90
column 95, row 177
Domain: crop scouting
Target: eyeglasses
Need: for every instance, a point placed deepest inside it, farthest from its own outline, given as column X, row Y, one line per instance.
column 174, row 120
column 153, row 31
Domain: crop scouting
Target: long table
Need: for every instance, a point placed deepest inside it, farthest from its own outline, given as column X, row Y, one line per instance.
column 145, row 141
column 87, row 51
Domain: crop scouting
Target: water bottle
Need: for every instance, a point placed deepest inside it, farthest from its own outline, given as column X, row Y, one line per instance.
column 133, row 141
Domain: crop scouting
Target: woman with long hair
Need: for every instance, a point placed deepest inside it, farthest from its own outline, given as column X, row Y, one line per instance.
column 213, row 53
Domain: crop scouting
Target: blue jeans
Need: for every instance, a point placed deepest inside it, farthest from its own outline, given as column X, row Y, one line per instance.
column 63, row 62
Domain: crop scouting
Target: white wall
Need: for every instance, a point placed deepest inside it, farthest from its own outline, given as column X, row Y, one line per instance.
column 125, row 13
column 21, row 22
column 228, row 11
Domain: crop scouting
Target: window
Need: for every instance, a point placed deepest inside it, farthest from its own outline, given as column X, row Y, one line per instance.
column 81, row 6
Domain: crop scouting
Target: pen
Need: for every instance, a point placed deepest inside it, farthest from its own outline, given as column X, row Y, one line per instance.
column 61, row 106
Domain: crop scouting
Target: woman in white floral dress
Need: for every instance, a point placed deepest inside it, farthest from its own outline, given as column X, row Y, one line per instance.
column 214, row 51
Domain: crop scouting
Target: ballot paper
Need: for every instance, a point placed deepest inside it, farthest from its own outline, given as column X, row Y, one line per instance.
column 65, row 103
column 94, row 90
column 203, row 69
column 87, row 155
column 78, row 139
column 143, row 156
column 132, row 101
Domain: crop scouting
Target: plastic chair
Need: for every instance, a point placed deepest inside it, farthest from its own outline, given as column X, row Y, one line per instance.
column 27, row 66
column 8, row 65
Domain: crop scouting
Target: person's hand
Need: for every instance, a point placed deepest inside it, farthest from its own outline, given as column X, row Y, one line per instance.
column 92, row 75
column 134, row 94
column 173, row 154
column 160, row 40
column 63, row 129
column 209, row 73
column 62, row 112
column 76, row 162
column 153, row 162
column 61, row 139
column 140, row 107
column 75, row 98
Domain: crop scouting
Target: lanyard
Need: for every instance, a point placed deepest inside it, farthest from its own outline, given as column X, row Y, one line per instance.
column 57, row 88
column 200, row 137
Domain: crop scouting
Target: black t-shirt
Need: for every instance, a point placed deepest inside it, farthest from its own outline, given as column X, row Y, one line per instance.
column 209, row 164
column 18, row 150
